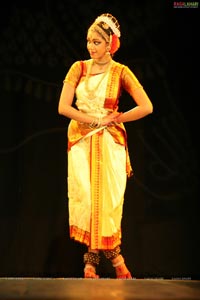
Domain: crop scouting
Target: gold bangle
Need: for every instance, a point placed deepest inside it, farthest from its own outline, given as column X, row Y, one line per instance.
column 96, row 123
column 92, row 124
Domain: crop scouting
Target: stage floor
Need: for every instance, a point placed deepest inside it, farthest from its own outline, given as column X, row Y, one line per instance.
column 98, row 289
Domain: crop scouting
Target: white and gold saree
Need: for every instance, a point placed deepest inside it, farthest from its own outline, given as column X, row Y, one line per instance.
column 98, row 160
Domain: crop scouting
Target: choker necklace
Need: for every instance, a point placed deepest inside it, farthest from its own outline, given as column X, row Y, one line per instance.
column 101, row 63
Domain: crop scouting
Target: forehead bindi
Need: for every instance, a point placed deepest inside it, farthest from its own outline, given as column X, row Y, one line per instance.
column 93, row 35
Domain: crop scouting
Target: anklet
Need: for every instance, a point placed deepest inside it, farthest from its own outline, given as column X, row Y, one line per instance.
column 119, row 263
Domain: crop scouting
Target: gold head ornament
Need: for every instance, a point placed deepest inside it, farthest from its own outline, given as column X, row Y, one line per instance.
column 108, row 27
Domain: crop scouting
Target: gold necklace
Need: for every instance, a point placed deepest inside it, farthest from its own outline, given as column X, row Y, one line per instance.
column 99, row 63
column 91, row 92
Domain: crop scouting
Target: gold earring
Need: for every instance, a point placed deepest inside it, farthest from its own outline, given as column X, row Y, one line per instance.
column 108, row 51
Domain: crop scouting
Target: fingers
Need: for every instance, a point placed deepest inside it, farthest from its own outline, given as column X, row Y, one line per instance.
column 111, row 119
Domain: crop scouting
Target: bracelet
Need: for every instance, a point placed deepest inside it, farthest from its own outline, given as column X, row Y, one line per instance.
column 96, row 123
column 93, row 124
column 99, row 123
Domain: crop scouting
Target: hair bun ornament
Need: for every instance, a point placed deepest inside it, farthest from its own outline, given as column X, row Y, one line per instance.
column 115, row 44
column 107, row 19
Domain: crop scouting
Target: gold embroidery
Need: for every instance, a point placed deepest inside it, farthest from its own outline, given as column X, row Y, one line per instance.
column 83, row 236
column 96, row 189
column 74, row 74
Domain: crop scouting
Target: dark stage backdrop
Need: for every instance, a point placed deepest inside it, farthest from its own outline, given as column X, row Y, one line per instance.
column 39, row 40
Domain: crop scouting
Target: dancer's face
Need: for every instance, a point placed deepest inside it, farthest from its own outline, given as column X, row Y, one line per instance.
column 96, row 45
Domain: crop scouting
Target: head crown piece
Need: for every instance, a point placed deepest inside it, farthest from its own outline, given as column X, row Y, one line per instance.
column 110, row 23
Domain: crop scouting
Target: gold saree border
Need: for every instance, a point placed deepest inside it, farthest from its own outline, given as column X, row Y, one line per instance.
column 96, row 188
column 83, row 237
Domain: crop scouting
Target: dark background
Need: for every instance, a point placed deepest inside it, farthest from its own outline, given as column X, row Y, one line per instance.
column 39, row 40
